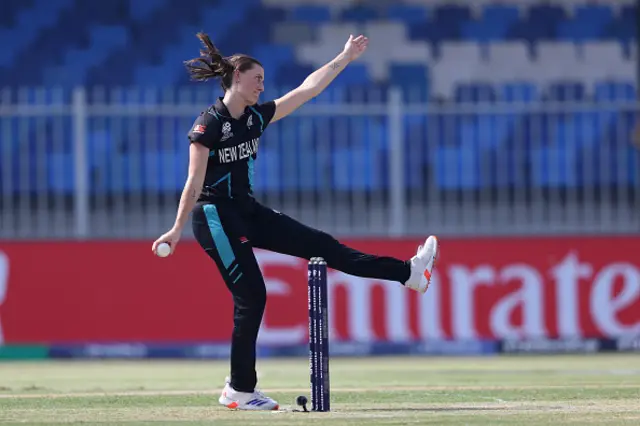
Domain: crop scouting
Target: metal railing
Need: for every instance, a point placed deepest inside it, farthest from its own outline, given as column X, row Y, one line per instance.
column 111, row 164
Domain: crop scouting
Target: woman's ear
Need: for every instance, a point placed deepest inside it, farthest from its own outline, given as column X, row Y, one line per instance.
column 236, row 76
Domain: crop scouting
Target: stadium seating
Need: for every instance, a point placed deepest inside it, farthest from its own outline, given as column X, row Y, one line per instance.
column 521, row 52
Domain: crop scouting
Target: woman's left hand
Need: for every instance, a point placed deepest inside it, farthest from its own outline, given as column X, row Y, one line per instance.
column 355, row 47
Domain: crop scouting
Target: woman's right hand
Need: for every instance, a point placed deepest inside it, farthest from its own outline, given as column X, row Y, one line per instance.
column 172, row 237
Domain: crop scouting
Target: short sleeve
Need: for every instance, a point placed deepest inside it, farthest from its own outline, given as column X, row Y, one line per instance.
column 266, row 110
column 205, row 130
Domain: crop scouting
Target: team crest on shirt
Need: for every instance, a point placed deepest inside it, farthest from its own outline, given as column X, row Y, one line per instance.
column 250, row 121
column 226, row 131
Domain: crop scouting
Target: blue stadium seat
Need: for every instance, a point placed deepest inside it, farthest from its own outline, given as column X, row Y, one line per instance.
column 581, row 129
column 273, row 57
column 163, row 170
column 458, row 168
column 267, row 170
column 446, row 24
column 141, row 9
column 359, row 13
column 336, row 94
column 494, row 25
column 112, row 12
column 452, row 15
column 409, row 14
column 101, row 149
column 474, row 93
column 354, row 74
column 413, row 79
column 620, row 130
column 531, row 130
column 311, row 14
column 554, row 167
column 624, row 27
column 632, row 175
column 37, row 95
column 291, row 74
column 484, row 130
column 541, row 24
column 519, row 92
column 371, row 93
column 588, row 23
column 61, row 173
column 356, row 169
column 614, row 91
column 566, row 91
column 614, row 159
column 418, row 157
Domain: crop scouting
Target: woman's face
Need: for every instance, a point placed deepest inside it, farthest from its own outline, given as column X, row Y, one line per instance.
column 250, row 83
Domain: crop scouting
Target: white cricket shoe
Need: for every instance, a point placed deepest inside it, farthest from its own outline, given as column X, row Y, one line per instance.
column 422, row 265
column 255, row 400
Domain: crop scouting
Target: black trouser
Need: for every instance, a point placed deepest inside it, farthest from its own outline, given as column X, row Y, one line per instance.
column 228, row 231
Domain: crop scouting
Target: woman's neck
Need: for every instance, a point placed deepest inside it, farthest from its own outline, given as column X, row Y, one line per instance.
column 235, row 104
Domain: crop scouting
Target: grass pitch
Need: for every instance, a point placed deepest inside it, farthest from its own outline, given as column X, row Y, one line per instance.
column 517, row 390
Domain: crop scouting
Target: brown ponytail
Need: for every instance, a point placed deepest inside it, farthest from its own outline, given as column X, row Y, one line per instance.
column 211, row 64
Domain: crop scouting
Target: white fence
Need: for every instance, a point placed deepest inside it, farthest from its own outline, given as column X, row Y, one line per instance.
column 112, row 164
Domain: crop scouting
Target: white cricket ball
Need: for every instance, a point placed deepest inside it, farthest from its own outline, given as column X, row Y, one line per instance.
column 163, row 250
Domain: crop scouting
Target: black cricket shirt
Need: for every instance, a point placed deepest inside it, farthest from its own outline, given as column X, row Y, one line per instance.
column 233, row 148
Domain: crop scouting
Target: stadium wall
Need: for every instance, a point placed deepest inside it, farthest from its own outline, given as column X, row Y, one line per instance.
column 116, row 299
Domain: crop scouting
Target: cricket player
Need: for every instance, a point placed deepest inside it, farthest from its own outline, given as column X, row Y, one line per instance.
column 228, row 222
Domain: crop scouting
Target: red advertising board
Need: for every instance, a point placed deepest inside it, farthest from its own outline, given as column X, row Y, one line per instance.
column 483, row 288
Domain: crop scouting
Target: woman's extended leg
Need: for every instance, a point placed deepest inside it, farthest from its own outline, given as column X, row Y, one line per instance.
column 280, row 233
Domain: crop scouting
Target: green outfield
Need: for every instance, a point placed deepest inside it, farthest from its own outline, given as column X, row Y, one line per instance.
column 601, row 389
